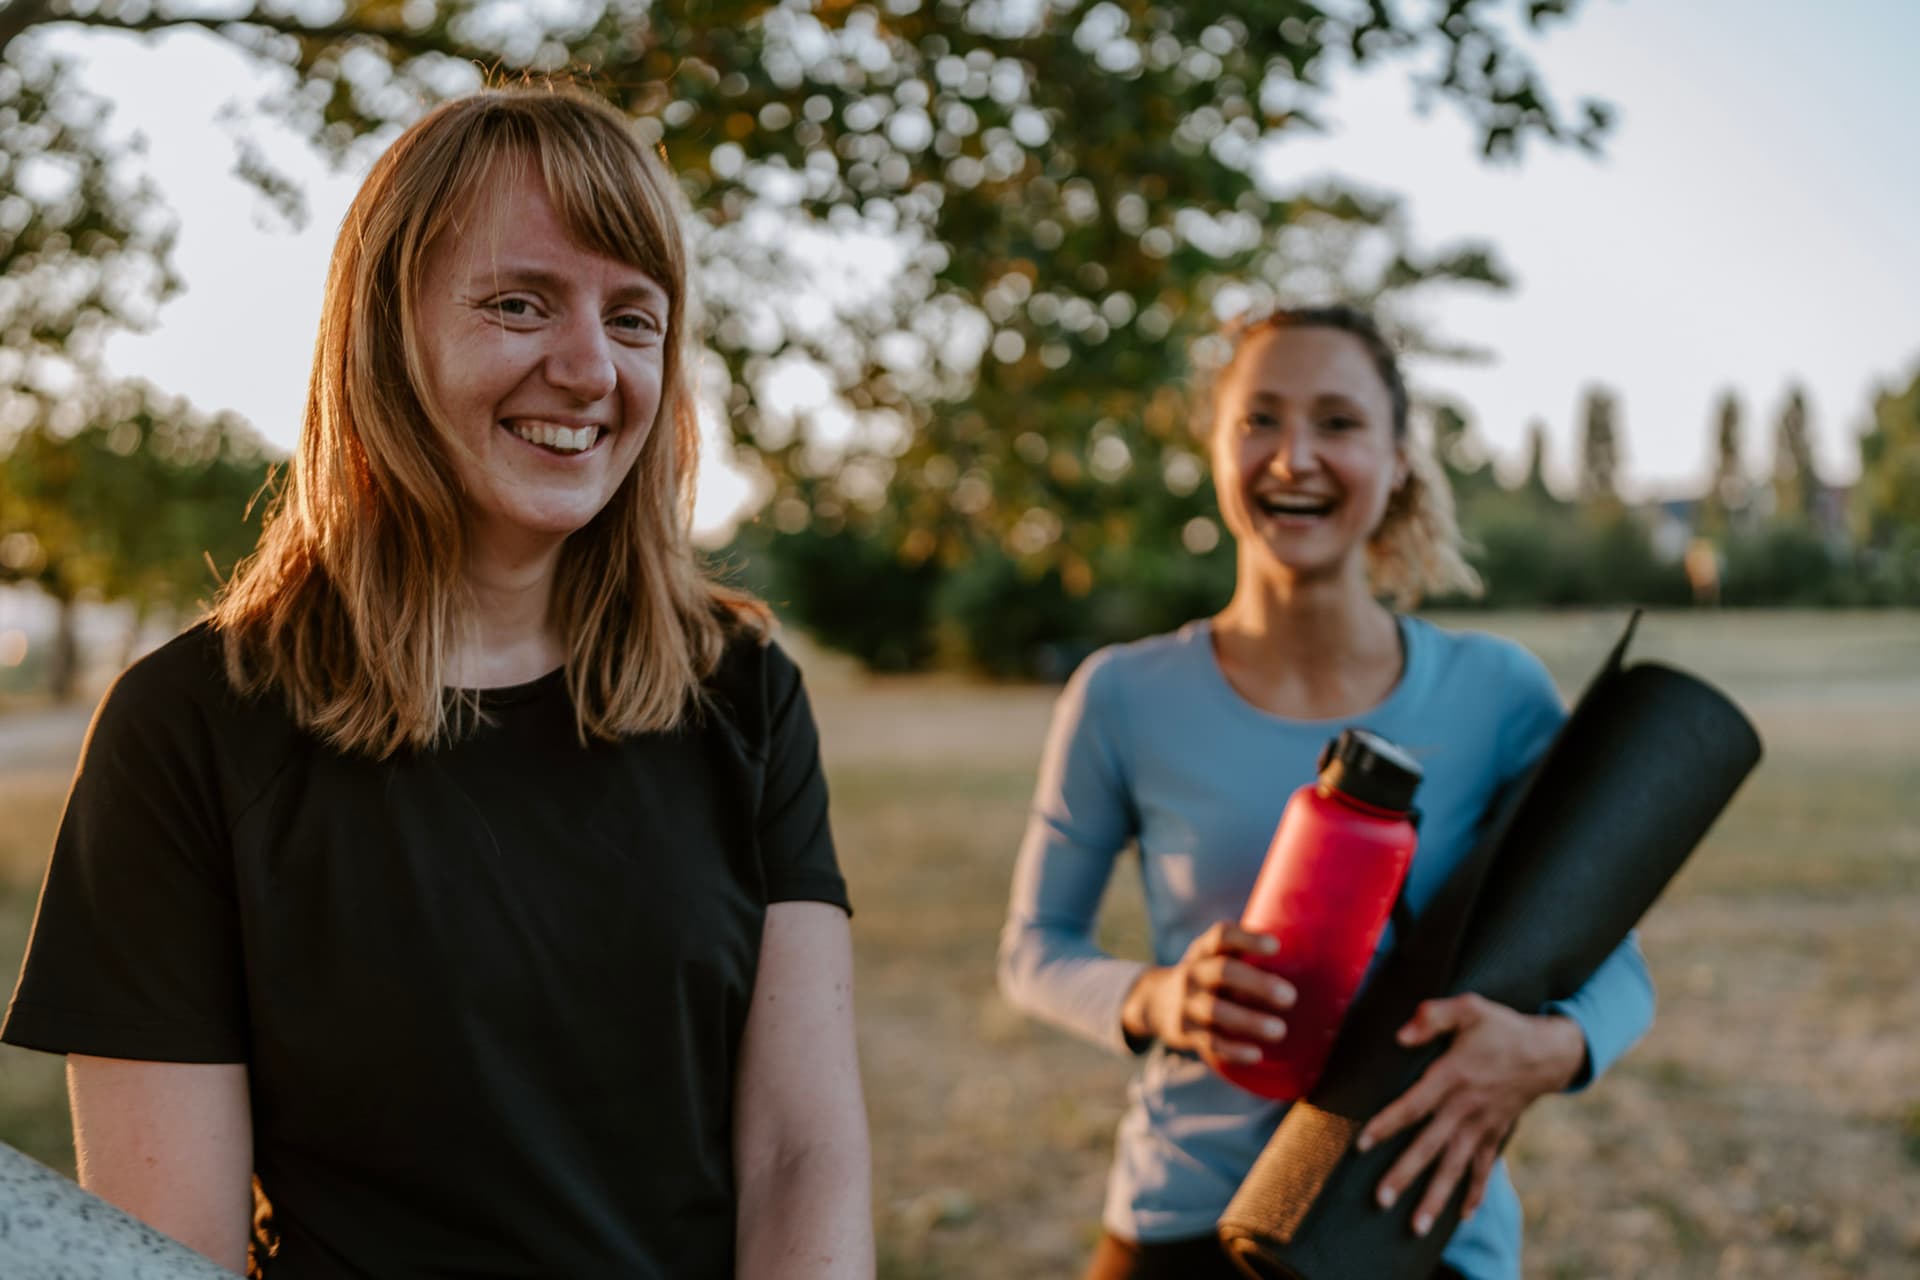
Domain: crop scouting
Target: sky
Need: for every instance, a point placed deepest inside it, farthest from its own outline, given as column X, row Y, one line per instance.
column 1749, row 226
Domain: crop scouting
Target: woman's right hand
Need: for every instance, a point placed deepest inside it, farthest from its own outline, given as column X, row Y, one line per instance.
column 1213, row 1002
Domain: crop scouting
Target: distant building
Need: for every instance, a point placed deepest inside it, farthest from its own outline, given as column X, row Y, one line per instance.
column 1674, row 523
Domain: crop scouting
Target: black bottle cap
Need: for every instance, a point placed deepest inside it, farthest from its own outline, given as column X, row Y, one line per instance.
column 1368, row 768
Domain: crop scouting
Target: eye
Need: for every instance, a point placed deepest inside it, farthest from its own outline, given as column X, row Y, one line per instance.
column 1342, row 422
column 637, row 324
column 1259, row 420
column 514, row 307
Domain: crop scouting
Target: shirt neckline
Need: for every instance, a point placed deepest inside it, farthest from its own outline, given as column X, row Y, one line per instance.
column 1410, row 668
column 502, row 695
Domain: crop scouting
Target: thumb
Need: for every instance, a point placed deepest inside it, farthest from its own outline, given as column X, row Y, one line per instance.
column 1436, row 1018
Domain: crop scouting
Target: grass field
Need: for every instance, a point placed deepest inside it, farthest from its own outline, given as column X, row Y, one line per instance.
column 1768, row 1127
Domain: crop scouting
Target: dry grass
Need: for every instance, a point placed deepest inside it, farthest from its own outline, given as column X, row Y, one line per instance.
column 1768, row 1127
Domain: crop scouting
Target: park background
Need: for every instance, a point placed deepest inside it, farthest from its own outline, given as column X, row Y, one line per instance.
column 1653, row 271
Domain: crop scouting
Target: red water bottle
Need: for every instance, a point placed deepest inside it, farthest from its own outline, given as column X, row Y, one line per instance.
column 1329, row 882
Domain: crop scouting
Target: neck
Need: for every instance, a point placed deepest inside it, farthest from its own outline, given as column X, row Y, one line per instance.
column 1307, row 647
column 1328, row 615
column 512, row 638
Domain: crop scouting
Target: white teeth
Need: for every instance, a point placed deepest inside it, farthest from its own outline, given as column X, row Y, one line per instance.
column 1292, row 504
column 566, row 439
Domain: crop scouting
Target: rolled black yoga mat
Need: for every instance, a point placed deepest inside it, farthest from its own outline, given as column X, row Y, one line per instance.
column 1570, row 862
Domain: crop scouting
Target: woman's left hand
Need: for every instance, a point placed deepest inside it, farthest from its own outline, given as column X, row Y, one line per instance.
column 1499, row 1062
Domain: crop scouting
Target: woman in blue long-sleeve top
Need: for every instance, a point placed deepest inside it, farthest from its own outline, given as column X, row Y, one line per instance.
column 1189, row 745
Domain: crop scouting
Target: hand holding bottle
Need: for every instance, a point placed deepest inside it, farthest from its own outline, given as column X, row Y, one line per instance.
column 1214, row 1001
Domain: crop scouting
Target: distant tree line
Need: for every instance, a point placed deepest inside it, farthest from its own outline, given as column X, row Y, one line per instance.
column 999, row 473
column 1788, row 540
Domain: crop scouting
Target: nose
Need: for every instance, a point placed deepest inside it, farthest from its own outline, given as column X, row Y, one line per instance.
column 580, row 362
column 1293, row 453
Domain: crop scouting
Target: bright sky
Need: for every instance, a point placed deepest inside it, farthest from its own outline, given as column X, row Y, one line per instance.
column 1751, row 225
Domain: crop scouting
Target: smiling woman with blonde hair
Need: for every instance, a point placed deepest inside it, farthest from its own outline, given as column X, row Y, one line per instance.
column 465, row 881
column 1187, row 746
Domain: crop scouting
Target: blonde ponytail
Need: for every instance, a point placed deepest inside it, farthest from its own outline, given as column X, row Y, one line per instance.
column 1417, row 551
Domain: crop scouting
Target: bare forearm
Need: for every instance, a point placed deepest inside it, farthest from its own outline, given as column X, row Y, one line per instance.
column 808, row 1216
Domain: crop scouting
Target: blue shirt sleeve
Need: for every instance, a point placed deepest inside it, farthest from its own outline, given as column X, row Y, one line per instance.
column 1082, row 819
column 1614, row 1008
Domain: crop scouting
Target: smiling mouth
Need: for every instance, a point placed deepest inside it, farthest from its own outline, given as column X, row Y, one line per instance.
column 1294, row 505
column 554, row 437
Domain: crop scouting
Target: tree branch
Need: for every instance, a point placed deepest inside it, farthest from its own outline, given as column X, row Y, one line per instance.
column 23, row 14
column 20, row 15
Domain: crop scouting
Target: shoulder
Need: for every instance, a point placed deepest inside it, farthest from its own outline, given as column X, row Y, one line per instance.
column 1496, row 682
column 170, row 698
column 174, row 715
column 1147, row 663
column 754, row 687
column 1491, row 664
column 1135, row 682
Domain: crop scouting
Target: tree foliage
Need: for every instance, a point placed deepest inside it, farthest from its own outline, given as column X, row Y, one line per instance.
column 1796, row 481
column 1726, row 497
column 1061, row 194
column 1600, row 449
column 83, row 239
column 126, row 493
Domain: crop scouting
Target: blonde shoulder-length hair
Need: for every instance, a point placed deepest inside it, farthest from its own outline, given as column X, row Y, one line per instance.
column 354, row 599
column 1417, row 550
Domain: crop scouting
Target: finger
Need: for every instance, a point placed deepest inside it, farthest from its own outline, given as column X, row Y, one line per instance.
column 1228, row 1049
column 1454, row 1161
column 1413, row 1161
column 1436, row 1018
column 1208, row 1012
column 1246, row 942
column 1211, row 941
column 1247, row 984
column 1482, row 1173
column 1425, row 1097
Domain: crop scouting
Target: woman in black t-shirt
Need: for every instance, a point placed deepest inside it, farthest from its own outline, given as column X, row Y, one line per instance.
column 463, row 885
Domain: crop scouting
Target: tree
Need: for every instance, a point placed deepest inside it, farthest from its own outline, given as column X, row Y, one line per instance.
column 1060, row 197
column 83, row 241
column 1599, row 450
column 1796, row 481
column 1726, row 496
column 128, row 494
column 1888, row 496
column 1533, row 480
column 1886, row 502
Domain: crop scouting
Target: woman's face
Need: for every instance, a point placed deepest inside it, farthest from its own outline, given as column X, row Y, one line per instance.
column 1304, row 455
column 546, row 361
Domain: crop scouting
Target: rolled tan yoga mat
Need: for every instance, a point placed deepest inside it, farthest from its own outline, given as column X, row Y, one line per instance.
column 52, row 1230
column 1570, row 862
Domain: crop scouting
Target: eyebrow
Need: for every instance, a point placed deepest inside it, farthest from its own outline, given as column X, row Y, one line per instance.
column 640, row 290
column 1325, row 397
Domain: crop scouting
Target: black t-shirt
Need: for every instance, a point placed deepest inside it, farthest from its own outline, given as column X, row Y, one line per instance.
column 490, row 996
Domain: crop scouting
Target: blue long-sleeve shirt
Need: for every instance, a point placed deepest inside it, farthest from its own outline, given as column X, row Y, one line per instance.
column 1150, row 744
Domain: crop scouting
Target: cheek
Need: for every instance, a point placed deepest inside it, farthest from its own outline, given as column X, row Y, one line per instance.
column 641, row 382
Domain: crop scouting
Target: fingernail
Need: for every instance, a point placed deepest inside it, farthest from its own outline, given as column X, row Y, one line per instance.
column 1365, row 1143
column 1387, row 1196
column 1404, row 1034
column 1422, row 1225
column 1274, row 1028
column 1269, row 944
column 1282, row 993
